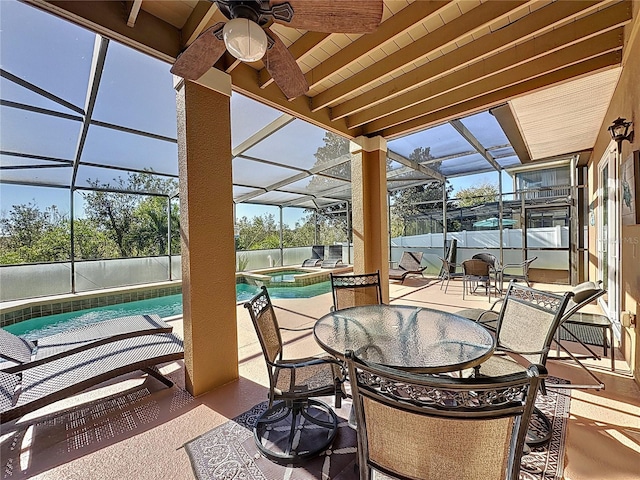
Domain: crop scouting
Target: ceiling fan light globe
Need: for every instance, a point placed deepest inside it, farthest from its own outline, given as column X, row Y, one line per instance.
column 244, row 39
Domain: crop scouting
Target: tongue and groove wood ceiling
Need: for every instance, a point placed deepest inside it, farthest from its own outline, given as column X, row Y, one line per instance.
column 428, row 62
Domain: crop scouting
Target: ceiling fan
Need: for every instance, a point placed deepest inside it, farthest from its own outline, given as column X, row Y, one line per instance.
column 248, row 38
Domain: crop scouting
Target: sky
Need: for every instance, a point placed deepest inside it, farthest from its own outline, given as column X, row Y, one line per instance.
column 136, row 91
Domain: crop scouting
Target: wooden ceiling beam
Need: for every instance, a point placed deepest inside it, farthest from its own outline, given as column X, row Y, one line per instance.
column 134, row 9
column 472, row 21
column 463, row 85
column 244, row 81
column 200, row 18
column 389, row 30
column 495, row 98
column 523, row 53
column 524, row 29
column 299, row 49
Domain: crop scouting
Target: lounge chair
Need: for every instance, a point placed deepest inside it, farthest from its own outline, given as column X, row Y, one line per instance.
column 573, row 325
column 41, row 385
column 317, row 256
column 19, row 353
column 410, row 264
column 334, row 258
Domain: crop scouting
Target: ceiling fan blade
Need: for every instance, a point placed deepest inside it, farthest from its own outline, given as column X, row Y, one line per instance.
column 329, row 16
column 201, row 54
column 283, row 68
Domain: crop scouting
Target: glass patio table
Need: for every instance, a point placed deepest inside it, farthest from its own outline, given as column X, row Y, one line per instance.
column 420, row 340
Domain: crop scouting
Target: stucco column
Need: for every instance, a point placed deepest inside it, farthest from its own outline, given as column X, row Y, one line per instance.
column 369, row 215
column 206, row 229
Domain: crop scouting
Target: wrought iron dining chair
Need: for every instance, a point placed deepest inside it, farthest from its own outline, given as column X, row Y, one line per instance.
column 350, row 290
column 583, row 294
column 402, row 419
column 526, row 325
column 298, row 426
column 474, row 273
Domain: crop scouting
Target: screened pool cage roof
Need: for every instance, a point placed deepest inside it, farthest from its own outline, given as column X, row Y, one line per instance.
column 85, row 111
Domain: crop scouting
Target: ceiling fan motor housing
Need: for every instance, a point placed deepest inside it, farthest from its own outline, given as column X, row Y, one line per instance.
column 258, row 11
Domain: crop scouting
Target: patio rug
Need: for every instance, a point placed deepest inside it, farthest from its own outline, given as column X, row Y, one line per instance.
column 229, row 452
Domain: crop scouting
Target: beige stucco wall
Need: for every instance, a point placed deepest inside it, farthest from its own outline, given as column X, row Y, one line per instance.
column 625, row 103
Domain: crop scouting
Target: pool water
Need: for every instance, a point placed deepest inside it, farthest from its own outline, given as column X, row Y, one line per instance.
column 285, row 276
column 167, row 306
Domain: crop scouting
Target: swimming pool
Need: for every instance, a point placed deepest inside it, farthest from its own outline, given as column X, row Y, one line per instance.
column 166, row 306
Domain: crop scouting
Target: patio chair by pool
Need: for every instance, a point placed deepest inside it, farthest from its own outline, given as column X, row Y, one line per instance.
column 317, row 256
column 297, row 427
column 571, row 328
column 350, row 290
column 422, row 426
column 494, row 263
column 41, row 385
column 526, row 326
column 410, row 264
column 17, row 353
column 515, row 271
column 334, row 258
column 577, row 327
column 474, row 273
column 447, row 273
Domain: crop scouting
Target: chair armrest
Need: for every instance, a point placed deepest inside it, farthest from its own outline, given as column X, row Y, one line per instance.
column 307, row 362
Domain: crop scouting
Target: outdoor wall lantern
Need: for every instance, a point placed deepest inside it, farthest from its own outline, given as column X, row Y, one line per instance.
column 619, row 131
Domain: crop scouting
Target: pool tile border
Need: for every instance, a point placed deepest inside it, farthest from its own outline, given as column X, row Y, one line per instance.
column 42, row 308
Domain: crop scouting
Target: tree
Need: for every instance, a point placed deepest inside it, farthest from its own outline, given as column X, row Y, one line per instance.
column 24, row 225
column 258, row 233
column 484, row 193
column 418, row 200
column 31, row 235
column 137, row 224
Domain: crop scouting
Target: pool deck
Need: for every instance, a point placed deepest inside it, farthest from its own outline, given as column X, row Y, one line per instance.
column 134, row 427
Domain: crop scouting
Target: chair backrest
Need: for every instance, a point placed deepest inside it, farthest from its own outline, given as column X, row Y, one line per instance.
column 528, row 321
column 14, row 348
column 451, row 250
column 266, row 325
column 356, row 289
column 317, row 252
column 422, row 427
column 583, row 294
column 476, row 268
column 411, row 261
column 486, row 257
column 335, row 252
column 446, row 269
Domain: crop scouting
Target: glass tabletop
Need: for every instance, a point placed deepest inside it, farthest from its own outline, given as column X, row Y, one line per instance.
column 411, row 338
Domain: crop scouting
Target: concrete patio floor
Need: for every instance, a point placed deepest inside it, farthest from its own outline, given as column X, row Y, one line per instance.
column 134, row 427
